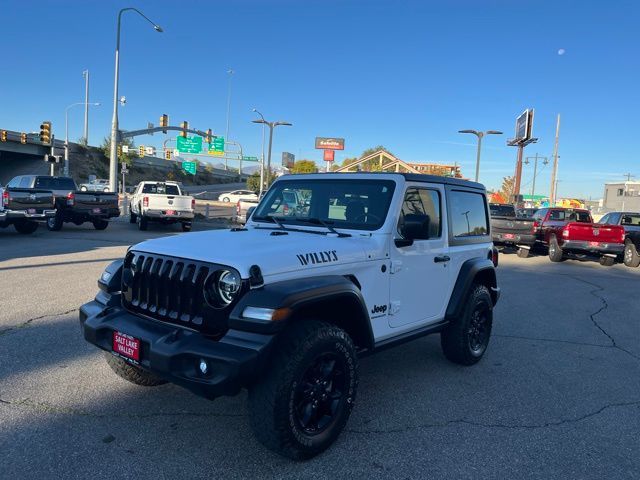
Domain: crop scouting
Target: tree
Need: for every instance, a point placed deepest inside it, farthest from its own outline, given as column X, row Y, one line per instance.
column 123, row 157
column 304, row 166
column 253, row 181
column 506, row 190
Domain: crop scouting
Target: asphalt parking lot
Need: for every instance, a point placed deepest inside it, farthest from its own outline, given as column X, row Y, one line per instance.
column 556, row 396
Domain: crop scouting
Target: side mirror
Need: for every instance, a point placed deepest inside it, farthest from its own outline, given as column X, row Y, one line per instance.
column 415, row 227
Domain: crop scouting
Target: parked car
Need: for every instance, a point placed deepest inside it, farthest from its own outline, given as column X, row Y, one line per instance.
column 73, row 205
column 161, row 202
column 24, row 207
column 509, row 230
column 237, row 195
column 98, row 185
column 244, row 207
column 284, row 306
column 572, row 231
column 630, row 221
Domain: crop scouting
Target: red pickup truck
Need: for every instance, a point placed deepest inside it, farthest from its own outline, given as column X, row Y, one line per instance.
column 572, row 231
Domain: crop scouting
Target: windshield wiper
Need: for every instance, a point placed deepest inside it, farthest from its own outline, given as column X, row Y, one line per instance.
column 319, row 221
column 269, row 218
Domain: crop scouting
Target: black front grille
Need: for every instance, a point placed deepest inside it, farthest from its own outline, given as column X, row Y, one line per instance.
column 171, row 290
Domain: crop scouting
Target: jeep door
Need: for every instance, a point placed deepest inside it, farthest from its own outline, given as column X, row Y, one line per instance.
column 419, row 273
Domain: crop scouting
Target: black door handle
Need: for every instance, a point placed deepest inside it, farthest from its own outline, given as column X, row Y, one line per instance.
column 441, row 258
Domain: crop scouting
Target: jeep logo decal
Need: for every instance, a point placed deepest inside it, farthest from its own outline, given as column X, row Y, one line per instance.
column 317, row 257
column 379, row 309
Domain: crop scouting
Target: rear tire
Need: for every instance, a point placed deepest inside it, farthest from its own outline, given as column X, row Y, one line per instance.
column 555, row 251
column 186, row 226
column 132, row 217
column 466, row 339
column 607, row 261
column 25, row 227
column 523, row 253
column 143, row 223
column 100, row 224
column 54, row 224
column 631, row 257
column 131, row 373
column 303, row 400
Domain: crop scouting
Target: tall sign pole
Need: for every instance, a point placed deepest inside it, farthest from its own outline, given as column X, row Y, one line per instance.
column 554, row 173
column 523, row 137
column 85, row 74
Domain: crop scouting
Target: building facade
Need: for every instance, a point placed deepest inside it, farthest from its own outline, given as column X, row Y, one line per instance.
column 621, row 196
column 438, row 169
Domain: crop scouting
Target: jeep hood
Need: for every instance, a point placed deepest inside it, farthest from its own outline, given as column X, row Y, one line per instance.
column 273, row 253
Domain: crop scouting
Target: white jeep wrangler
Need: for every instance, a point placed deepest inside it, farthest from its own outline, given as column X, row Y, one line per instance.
column 284, row 306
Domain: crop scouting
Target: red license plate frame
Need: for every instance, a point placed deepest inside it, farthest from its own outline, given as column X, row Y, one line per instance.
column 509, row 236
column 126, row 346
column 171, row 212
column 594, row 244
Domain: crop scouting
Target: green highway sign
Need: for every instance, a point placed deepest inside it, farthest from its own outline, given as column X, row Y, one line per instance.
column 217, row 146
column 189, row 144
column 250, row 159
column 189, row 167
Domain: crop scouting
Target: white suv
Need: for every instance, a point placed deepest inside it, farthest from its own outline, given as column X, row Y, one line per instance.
column 284, row 306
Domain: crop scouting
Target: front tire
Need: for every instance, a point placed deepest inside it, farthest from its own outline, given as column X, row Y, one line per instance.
column 303, row 400
column 226, row 199
column 25, row 227
column 555, row 250
column 631, row 256
column 466, row 340
column 131, row 373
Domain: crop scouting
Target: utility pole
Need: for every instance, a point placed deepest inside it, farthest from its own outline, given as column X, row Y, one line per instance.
column 535, row 170
column 85, row 74
column 554, row 172
column 226, row 134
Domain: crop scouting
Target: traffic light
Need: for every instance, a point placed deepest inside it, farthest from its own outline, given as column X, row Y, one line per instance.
column 184, row 126
column 167, row 154
column 45, row 132
column 164, row 121
column 141, row 150
column 23, row 138
column 209, row 136
column 3, row 135
column 119, row 150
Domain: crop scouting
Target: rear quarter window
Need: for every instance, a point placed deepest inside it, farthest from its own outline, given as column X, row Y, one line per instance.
column 468, row 211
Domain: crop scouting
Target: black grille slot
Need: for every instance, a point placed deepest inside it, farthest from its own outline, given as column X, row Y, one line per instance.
column 172, row 290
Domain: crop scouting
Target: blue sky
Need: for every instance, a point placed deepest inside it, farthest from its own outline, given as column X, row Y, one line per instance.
column 407, row 75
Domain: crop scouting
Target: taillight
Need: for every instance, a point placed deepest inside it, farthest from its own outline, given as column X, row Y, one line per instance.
column 624, row 236
column 145, row 201
column 565, row 233
column 71, row 199
column 193, row 204
column 535, row 226
column 238, row 207
column 5, row 198
column 285, row 209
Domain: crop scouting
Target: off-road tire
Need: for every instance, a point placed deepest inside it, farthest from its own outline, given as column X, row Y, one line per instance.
column 100, row 224
column 555, row 251
column 631, row 256
column 523, row 253
column 54, row 224
column 457, row 339
column 25, row 227
column 273, row 417
column 131, row 373
column 143, row 223
column 607, row 261
column 186, row 226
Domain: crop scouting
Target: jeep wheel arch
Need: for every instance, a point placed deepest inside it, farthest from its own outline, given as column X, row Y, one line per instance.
column 475, row 270
column 334, row 299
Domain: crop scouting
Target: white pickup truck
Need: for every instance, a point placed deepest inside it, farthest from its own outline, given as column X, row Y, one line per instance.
column 161, row 202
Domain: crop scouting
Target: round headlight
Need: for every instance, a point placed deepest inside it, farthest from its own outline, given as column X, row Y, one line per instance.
column 228, row 286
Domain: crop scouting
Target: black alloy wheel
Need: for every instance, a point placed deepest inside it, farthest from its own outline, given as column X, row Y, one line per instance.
column 479, row 330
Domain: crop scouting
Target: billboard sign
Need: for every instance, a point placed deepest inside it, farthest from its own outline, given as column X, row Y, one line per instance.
column 524, row 126
column 288, row 159
column 329, row 143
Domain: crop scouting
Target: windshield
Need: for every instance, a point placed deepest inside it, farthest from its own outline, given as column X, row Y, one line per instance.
column 351, row 204
column 502, row 210
column 160, row 188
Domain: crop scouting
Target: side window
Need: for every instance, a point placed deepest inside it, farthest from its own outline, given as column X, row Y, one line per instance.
column 423, row 201
column 25, row 182
column 539, row 215
column 605, row 220
column 468, row 214
column 13, row 183
column 557, row 215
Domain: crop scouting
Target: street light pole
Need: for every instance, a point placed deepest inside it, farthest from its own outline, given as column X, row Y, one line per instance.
column 85, row 74
column 271, row 126
column 480, row 135
column 261, row 157
column 66, row 132
column 113, row 155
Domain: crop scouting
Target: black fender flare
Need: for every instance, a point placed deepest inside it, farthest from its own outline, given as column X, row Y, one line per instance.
column 472, row 270
column 302, row 297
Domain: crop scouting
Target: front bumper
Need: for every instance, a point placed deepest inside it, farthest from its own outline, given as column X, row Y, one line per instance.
column 174, row 353
column 162, row 214
column 593, row 247
column 23, row 214
column 513, row 239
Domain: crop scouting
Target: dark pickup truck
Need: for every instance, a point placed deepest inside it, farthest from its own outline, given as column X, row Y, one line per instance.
column 630, row 221
column 24, row 207
column 509, row 230
column 73, row 205
column 572, row 231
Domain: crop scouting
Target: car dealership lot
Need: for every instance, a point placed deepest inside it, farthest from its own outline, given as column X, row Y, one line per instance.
column 557, row 394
